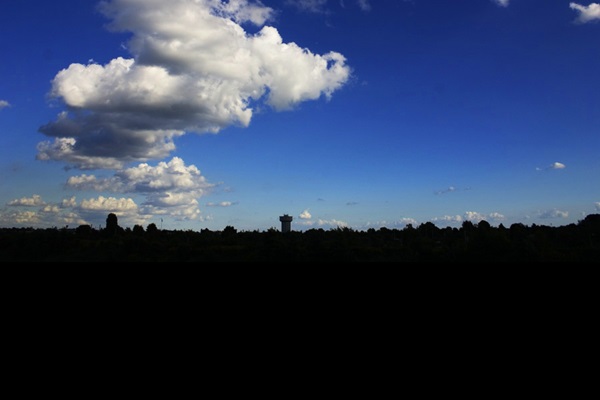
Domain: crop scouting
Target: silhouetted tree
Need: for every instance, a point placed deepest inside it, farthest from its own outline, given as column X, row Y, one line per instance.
column 83, row 230
column 138, row 230
column 483, row 226
column 112, row 225
column 229, row 231
column 152, row 229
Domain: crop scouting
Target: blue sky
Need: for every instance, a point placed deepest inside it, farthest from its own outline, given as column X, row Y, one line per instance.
column 195, row 114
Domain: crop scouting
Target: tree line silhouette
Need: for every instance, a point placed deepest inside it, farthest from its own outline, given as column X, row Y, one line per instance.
column 472, row 242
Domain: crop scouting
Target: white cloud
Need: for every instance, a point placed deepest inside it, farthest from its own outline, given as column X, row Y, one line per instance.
column 221, row 204
column 169, row 187
column 554, row 165
column 554, row 213
column 33, row 201
column 4, row 104
column 332, row 223
column 305, row 215
column 503, row 3
column 97, row 209
column 18, row 217
column 597, row 205
column 50, row 208
column 109, row 204
column 68, row 212
column 496, row 216
column 586, row 13
column 453, row 219
column 242, row 11
column 68, row 203
column 474, row 216
column 194, row 69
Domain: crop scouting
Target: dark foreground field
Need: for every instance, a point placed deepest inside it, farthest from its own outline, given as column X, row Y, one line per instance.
column 426, row 243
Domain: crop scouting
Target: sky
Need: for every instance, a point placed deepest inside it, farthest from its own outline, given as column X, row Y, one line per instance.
column 360, row 114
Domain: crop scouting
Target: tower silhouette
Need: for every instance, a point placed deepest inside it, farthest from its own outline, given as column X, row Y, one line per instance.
column 286, row 223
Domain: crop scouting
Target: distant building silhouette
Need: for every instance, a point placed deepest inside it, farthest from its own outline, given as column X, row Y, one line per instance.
column 286, row 223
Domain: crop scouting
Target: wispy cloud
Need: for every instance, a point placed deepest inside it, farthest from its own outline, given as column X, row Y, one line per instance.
column 321, row 6
column 450, row 189
column 364, row 5
column 452, row 219
column 4, row 104
column 555, row 165
column 502, row 3
column 221, row 204
column 586, row 13
column 396, row 224
column 313, row 6
column 193, row 69
column 554, row 213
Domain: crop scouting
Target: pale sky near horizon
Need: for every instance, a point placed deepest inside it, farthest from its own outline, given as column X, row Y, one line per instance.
column 195, row 114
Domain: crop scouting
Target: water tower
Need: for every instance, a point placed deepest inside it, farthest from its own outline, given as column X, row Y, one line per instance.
column 286, row 223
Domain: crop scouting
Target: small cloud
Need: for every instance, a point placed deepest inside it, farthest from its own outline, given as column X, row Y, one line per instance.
column 448, row 219
column 555, row 165
column 4, row 104
column 51, row 208
column 450, row 189
column 586, row 14
column 221, row 204
column 597, row 205
column 502, row 3
column 68, row 203
column 351, row 203
column 554, row 213
column 474, row 216
column 496, row 216
column 305, row 215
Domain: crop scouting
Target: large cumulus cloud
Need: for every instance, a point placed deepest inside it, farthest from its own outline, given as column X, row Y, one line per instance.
column 194, row 69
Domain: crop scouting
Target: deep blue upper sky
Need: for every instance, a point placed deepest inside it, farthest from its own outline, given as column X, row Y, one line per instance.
column 203, row 114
